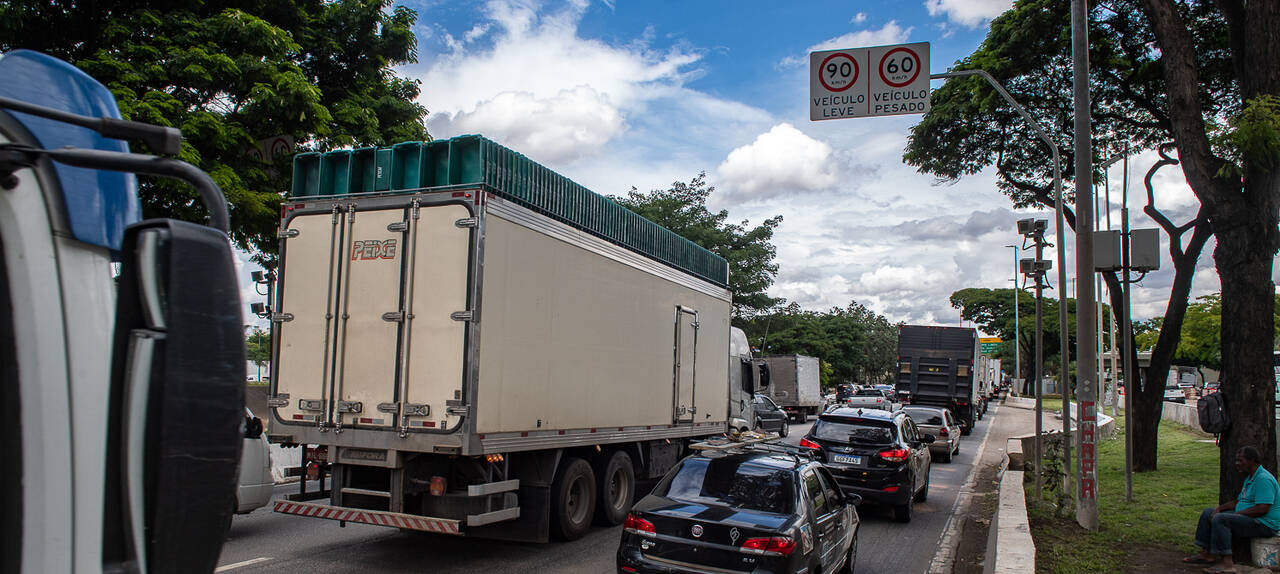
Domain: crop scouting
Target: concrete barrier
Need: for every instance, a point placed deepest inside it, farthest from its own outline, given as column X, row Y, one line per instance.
column 1185, row 415
column 1010, row 538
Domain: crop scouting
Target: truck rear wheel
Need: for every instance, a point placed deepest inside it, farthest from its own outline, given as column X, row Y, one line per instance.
column 573, row 499
column 616, row 488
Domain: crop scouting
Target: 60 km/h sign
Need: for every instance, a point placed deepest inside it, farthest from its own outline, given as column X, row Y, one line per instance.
column 861, row 82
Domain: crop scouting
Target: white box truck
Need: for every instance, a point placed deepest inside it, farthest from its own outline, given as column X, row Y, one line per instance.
column 795, row 385
column 483, row 347
column 121, row 341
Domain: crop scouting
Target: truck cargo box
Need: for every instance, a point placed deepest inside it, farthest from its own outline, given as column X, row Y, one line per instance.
column 936, row 366
column 795, row 384
column 455, row 297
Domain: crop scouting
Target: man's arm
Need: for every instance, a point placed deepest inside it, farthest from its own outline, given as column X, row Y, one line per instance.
column 1255, row 510
column 1226, row 506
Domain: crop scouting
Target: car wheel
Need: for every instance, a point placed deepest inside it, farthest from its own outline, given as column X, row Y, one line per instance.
column 616, row 488
column 851, row 559
column 573, row 499
column 759, row 425
column 903, row 512
column 786, row 428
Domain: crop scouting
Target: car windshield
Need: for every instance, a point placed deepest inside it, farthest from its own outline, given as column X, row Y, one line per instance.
column 734, row 483
column 924, row 416
column 848, row 430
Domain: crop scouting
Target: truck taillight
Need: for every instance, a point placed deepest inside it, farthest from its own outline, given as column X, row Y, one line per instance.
column 438, row 485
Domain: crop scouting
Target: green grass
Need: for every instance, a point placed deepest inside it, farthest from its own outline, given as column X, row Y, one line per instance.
column 1162, row 516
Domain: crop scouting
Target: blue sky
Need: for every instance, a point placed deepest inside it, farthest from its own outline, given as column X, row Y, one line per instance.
column 616, row 94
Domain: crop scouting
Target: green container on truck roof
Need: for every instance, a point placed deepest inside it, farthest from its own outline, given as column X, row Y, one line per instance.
column 474, row 161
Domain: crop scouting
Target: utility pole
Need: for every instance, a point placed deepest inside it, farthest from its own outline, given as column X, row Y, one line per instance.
column 1017, row 330
column 1086, row 387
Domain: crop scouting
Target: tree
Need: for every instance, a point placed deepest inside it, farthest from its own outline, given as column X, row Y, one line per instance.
column 257, row 346
column 231, row 73
column 1029, row 51
column 682, row 208
column 1201, row 341
column 1233, row 172
column 855, row 343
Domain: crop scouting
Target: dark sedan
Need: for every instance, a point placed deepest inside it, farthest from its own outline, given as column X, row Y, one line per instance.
column 761, row 509
column 878, row 455
column 769, row 416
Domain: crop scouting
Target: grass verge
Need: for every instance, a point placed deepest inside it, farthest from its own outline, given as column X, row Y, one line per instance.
column 1161, row 518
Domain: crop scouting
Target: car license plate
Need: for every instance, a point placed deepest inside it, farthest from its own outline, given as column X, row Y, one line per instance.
column 847, row 459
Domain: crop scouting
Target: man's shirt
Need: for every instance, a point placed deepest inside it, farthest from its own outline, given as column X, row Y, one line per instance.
column 1261, row 488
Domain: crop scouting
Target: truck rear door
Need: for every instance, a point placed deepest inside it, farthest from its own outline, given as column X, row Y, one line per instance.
column 686, row 352
column 375, row 305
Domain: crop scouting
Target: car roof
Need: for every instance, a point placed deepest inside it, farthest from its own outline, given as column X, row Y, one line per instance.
column 862, row 413
column 924, row 408
column 747, row 454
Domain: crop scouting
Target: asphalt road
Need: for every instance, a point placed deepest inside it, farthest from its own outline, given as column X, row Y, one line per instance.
column 264, row 541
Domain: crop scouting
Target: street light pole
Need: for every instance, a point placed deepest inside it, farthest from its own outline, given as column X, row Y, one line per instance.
column 1086, row 388
column 1017, row 329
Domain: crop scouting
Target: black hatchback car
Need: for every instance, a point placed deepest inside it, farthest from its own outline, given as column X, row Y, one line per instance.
column 762, row 509
column 879, row 455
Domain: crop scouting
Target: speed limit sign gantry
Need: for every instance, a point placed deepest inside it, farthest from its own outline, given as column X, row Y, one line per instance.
column 876, row 81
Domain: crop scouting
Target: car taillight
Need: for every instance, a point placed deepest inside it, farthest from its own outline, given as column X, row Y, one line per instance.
column 638, row 525
column 804, row 442
column 783, row 545
column 944, row 432
column 894, row 454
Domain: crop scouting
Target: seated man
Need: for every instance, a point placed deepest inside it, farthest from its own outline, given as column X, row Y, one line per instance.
column 1254, row 514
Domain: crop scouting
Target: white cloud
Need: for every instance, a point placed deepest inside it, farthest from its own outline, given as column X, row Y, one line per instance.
column 859, row 18
column 535, row 81
column 560, row 128
column 968, row 13
column 890, row 33
column 912, row 278
column 781, row 161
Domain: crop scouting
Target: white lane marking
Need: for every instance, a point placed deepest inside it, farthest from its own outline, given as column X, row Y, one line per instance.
column 950, row 541
column 229, row 567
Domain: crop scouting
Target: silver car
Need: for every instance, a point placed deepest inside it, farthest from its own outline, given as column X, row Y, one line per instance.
column 941, row 424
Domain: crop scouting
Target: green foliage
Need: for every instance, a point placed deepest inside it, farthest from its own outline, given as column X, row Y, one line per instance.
column 1253, row 137
column 683, row 209
column 993, row 311
column 854, row 343
column 257, row 346
column 1200, row 343
column 229, row 74
column 970, row 127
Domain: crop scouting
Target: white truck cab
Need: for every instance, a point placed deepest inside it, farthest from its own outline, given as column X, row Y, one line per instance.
column 121, row 350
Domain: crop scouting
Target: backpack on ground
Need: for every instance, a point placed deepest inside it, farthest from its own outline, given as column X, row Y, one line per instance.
column 1213, row 413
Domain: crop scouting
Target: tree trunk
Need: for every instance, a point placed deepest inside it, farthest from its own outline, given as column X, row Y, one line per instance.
column 1244, row 260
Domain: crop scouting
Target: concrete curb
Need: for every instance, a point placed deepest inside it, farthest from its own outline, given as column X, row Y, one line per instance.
column 1015, row 551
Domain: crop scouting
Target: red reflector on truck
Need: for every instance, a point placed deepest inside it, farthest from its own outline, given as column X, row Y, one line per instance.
column 429, row 424
column 299, row 417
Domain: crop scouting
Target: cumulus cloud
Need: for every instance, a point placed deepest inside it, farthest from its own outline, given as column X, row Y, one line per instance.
column 858, row 18
column 912, row 278
column 968, row 13
column 534, row 79
column 560, row 128
column 890, row 33
column 782, row 161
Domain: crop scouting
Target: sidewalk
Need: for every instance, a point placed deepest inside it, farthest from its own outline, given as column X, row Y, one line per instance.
column 974, row 554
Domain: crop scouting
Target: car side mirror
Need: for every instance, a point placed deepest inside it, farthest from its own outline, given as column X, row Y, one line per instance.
column 252, row 427
column 852, row 499
column 928, row 439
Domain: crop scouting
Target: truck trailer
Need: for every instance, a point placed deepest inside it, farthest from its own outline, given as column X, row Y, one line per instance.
column 794, row 384
column 486, row 348
column 936, row 367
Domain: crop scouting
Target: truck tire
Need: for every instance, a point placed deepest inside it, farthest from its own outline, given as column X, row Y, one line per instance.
column 573, row 499
column 969, row 421
column 615, row 488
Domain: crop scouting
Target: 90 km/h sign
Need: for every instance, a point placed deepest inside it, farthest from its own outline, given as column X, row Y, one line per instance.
column 896, row 81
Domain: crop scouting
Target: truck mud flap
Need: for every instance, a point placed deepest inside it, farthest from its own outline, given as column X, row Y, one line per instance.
column 374, row 517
